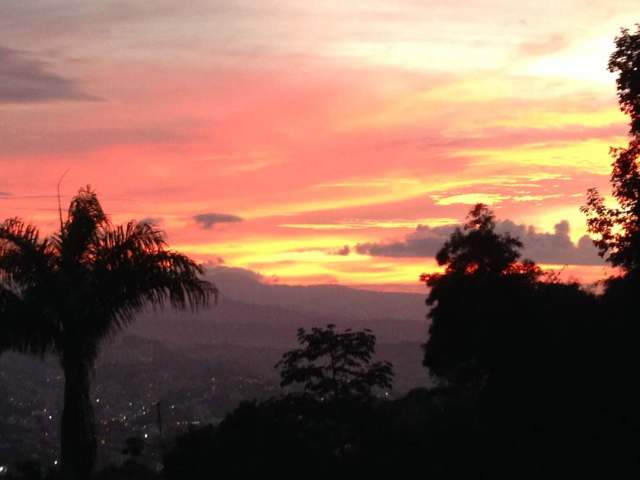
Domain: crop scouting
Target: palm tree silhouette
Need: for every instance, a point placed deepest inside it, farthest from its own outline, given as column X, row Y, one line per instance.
column 66, row 293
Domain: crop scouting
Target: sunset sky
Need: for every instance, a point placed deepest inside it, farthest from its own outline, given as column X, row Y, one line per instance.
column 315, row 142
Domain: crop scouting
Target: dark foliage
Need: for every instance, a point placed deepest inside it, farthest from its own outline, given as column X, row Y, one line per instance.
column 296, row 435
column 617, row 229
column 335, row 365
column 128, row 471
column 28, row 470
column 473, row 304
column 625, row 61
column 546, row 371
column 477, row 248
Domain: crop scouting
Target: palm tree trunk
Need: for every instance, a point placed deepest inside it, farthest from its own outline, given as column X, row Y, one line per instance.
column 78, row 435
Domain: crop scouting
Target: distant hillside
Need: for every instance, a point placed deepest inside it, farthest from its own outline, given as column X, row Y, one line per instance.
column 252, row 313
column 319, row 300
column 241, row 323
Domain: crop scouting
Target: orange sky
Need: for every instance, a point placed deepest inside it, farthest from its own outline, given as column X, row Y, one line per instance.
column 272, row 135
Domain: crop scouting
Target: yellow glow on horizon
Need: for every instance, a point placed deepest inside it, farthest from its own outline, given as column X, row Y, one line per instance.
column 358, row 272
column 307, row 262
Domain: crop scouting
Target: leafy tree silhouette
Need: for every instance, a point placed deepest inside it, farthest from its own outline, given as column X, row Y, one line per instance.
column 66, row 293
column 617, row 229
column 478, row 249
column 483, row 286
column 504, row 334
column 617, row 236
column 625, row 61
column 334, row 365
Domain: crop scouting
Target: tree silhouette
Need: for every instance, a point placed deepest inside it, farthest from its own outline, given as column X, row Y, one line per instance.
column 484, row 285
column 66, row 293
column 625, row 61
column 477, row 248
column 335, row 365
column 518, row 345
column 617, row 229
column 617, row 236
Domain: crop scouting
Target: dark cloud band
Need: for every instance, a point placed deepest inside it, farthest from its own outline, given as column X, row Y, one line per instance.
column 25, row 79
column 553, row 248
column 209, row 220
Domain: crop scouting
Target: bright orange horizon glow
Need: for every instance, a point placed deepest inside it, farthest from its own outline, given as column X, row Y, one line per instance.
column 293, row 140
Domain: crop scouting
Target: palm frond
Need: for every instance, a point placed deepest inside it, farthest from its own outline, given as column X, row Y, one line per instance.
column 25, row 260
column 23, row 327
column 133, row 269
column 67, row 292
column 85, row 219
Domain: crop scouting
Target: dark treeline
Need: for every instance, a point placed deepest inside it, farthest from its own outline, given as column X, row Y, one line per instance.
column 534, row 377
